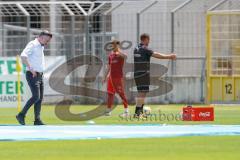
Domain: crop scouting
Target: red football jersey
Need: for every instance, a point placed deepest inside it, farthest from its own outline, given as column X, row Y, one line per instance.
column 116, row 63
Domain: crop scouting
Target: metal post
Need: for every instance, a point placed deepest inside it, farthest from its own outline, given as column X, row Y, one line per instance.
column 138, row 27
column 173, row 21
column 138, row 18
column 28, row 21
column 173, row 63
column 53, row 21
column 172, row 32
column 217, row 5
column 71, row 46
column 202, row 79
column 113, row 8
column 3, row 41
column 104, row 36
column 105, row 22
column 28, row 29
column 86, row 26
column 73, row 52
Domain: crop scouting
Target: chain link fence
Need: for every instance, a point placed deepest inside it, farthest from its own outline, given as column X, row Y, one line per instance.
column 84, row 27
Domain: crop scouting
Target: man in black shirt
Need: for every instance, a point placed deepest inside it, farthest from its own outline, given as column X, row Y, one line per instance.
column 142, row 56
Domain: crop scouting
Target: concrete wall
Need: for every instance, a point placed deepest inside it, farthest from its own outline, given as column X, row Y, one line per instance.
column 186, row 90
column 189, row 41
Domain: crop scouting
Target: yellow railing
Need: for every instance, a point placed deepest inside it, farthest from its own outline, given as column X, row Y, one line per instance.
column 18, row 69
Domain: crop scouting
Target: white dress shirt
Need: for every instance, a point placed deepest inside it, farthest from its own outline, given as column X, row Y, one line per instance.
column 34, row 53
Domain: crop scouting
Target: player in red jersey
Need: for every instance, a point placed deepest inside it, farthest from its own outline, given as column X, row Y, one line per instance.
column 114, row 78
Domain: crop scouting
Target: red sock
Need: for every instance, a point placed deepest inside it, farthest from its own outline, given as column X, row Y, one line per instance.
column 124, row 99
column 110, row 100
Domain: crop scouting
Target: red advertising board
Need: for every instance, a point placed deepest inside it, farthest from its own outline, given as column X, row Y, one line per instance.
column 198, row 113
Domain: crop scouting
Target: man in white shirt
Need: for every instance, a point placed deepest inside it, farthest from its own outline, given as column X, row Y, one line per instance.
column 33, row 57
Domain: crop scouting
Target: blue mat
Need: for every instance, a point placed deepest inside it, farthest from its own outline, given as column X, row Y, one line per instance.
column 75, row 132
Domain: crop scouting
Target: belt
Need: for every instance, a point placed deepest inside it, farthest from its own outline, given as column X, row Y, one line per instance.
column 38, row 73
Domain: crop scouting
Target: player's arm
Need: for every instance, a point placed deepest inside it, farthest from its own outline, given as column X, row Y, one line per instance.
column 106, row 74
column 164, row 56
column 25, row 61
column 123, row 55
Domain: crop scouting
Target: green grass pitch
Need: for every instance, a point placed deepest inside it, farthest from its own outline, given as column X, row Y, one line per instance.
column 176, row 148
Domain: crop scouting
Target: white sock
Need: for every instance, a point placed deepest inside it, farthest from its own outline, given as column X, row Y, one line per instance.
column 126, row 110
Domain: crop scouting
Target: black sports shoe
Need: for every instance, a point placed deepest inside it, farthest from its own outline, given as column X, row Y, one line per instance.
column 38, row 122
column 20, row 118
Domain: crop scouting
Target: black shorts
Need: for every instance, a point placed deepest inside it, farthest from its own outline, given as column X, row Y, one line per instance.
column 142, row 81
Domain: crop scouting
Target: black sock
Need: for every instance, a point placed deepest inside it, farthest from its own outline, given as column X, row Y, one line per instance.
column 139, row 109
column 142, row 108
column 136, row 109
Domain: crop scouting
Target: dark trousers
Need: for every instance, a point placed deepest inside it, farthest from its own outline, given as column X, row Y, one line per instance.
column 36, row 86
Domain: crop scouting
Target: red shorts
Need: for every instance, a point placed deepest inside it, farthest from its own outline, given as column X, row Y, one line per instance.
column 116, row 85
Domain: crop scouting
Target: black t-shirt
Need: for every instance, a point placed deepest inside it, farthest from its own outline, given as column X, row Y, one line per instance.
column 142, row 57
